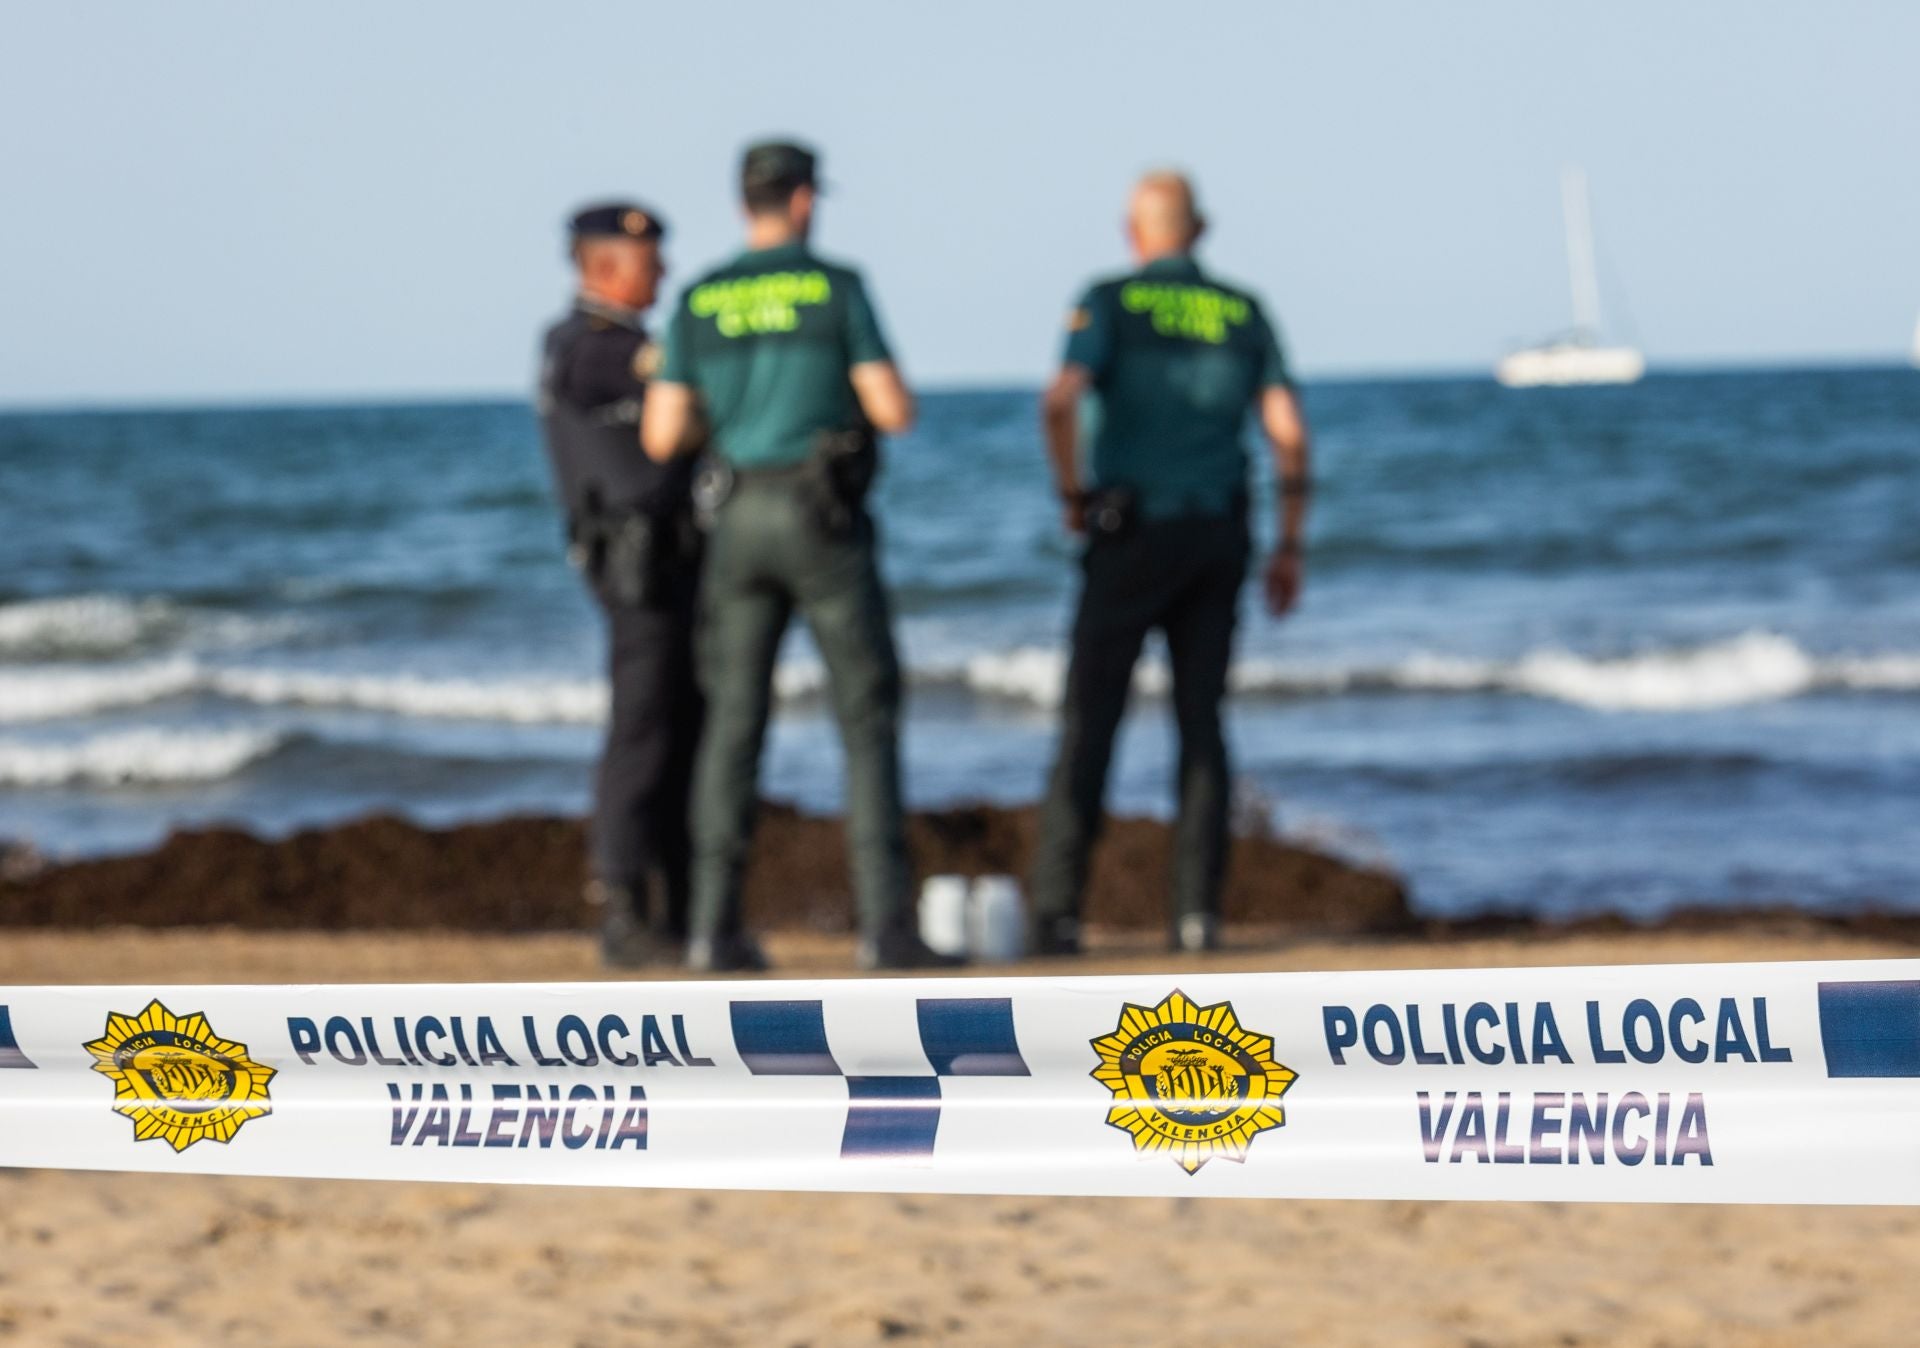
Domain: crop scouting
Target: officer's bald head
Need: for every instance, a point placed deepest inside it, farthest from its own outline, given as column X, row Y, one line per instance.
column 1164, row 217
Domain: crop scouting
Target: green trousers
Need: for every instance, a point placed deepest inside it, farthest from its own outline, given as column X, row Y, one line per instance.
column 1182, row 576
column 766, row 559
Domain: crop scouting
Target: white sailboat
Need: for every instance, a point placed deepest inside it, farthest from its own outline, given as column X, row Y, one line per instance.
column 1577, row 357
column 1914, row 355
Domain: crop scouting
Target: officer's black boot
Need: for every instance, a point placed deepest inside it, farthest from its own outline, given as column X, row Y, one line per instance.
column 625, row 942
column 726, row 955
column 733, row 953
column 1055, row 937
column 902, row 948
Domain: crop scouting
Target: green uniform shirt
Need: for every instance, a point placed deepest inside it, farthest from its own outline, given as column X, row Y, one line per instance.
column 1177, row 358
column 767, row 341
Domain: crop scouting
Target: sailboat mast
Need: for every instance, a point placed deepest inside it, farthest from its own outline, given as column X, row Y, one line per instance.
column 1581, row 272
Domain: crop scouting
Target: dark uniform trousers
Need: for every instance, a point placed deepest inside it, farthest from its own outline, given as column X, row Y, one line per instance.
column 641, row 792
column 767, row 559
column 1183, row 576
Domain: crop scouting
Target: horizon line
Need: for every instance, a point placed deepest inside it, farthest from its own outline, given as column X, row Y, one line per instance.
column 286, row 400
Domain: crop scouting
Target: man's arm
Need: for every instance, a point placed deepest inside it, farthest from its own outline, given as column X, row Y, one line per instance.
column 883, row 395
column 1060, row 418
column 1285, row 426
column 877, row 385
column 669, row 420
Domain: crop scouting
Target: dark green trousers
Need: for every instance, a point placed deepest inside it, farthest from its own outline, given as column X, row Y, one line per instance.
column 1182, row 576
column 767, row 560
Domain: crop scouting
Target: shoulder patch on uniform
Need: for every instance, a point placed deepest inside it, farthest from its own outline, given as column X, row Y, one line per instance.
column 648, row 357
column 1079, row 319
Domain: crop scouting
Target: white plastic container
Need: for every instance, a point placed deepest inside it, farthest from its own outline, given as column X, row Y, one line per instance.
column 997, row 920
column 943, row 913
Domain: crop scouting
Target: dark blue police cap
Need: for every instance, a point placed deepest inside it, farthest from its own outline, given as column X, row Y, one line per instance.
column 617, row 220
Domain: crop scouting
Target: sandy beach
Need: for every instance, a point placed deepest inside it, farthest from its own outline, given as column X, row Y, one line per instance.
column 131, row 1259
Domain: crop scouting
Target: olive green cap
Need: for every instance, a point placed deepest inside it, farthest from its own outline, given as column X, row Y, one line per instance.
column 779, row 163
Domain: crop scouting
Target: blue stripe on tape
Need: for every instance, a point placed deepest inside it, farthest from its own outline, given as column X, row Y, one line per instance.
column 10, row 1054
column 1871, row 1029
column 783, row 1039
column 891, row 1116
column 970, row 1037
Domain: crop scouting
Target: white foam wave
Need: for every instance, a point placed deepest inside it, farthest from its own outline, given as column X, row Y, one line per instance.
column 529, row 701
column 47, row 692
column 53, row 692
column 1754, row 667
column 1026, row 674
column 1750, row 668
column 95, row 625
column 794, row 680
column 134, row 757
column 82, row 624
column 1876, row 673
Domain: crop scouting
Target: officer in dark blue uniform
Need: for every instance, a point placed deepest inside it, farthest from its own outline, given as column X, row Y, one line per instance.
column 631, row 535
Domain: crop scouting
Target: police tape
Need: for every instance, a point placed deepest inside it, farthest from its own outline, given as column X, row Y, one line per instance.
column 1792, row 1082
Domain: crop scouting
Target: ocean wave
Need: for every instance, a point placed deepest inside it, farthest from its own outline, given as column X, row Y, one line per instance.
column 524, row 701
column 94, row 624
column 56, row 692
column 87, row 626
column 1755, row 667
column 135, row 758
column 1877, row 673
column 50, row 692
column 1750, row 668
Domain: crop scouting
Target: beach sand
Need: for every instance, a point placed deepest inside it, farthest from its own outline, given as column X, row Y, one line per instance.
column 161, row 1260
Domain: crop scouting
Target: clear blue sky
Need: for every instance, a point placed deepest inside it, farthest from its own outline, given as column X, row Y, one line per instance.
column 236, row 200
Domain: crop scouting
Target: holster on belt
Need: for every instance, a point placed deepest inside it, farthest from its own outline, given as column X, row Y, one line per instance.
column 1110, row 512
column 628, row 555
column 837, row 476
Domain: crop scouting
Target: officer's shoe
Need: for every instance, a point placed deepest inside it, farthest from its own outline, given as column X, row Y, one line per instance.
column 1056, row 937
column 625, row 941
column 734, row 954
column 903, row 950
column 1197, row 933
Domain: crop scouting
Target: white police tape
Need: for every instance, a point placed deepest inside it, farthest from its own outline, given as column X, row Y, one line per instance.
column 1696, row 1083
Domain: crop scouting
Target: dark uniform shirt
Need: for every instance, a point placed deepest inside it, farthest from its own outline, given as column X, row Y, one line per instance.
column 767, row 341
column 1177, row 358
column 593, row 377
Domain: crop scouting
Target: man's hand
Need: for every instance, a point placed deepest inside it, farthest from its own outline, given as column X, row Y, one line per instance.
column 1283, row 580
column 1286, row 429
column 1073, row 513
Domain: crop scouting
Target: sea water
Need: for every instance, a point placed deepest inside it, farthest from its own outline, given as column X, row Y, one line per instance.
column 1560, row 650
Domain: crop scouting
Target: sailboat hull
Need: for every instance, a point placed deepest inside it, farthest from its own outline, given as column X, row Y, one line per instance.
column 1561, row 366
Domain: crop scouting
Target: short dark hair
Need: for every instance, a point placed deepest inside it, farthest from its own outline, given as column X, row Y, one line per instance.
column 772, row 171
column 768, row 198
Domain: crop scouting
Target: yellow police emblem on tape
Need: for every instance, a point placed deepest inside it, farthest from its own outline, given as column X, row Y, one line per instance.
column 177, row 1079
column 1190, row 1081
